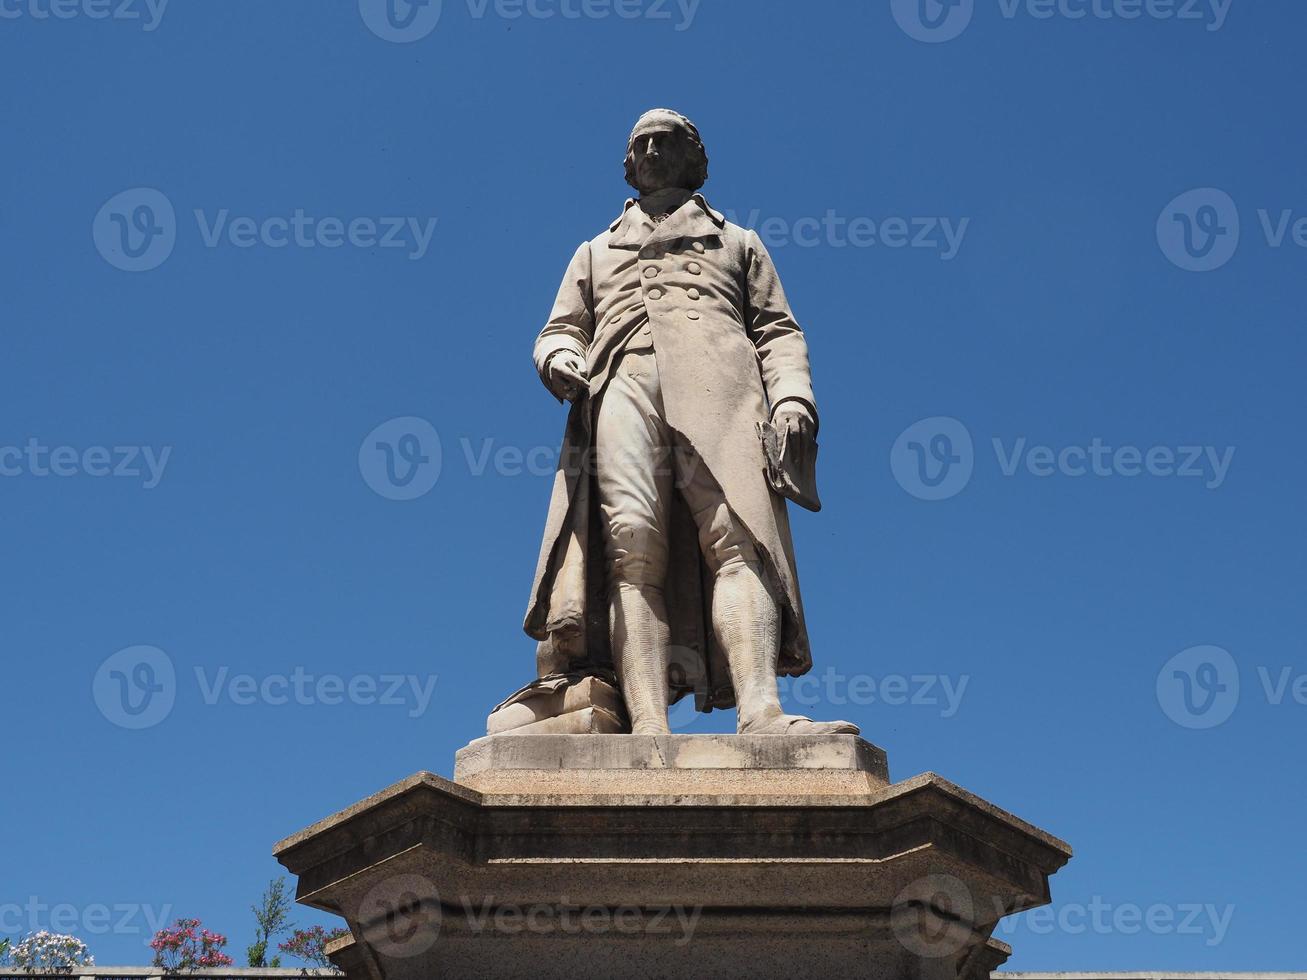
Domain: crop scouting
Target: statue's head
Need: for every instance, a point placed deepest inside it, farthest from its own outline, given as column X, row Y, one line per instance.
column 665, row 151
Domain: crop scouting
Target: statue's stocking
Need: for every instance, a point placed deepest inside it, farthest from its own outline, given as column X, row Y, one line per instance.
column 747, row 622
column 639, row 633
column 745, row 619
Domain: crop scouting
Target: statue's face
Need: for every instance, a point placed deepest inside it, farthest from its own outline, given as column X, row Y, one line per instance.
column 662, row 159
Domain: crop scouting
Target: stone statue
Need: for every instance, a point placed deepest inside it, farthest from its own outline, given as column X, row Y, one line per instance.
column 667, row 571
column 667, row 563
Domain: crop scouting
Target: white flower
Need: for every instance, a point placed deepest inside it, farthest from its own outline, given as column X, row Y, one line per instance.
column 45, row 950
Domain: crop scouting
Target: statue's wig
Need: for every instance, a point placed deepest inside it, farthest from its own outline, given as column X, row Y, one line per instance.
column 698, row 158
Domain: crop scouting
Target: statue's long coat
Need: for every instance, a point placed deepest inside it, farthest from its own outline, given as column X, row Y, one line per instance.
column 728, row 348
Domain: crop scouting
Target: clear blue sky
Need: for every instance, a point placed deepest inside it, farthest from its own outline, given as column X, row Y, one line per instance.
column 1055, row 145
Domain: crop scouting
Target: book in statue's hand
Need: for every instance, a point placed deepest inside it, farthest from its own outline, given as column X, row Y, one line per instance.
column 791, row 464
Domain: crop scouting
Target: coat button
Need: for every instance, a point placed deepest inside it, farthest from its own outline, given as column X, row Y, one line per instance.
column 698, row 247
column 692, row 314
column 650, row 271
column 694, row 268
column 655, row 293
column 692, row 293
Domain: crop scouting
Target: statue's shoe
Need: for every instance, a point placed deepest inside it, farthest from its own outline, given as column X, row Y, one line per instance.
column 799, row 725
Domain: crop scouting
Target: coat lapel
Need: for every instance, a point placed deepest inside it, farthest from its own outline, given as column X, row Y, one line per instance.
column 631, row 229
column 693, row 219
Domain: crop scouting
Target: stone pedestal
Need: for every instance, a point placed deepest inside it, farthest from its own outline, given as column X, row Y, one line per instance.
column 633, row 856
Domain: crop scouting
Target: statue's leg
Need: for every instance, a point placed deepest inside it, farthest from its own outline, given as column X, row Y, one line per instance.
column 747, row 623
column 634, row 482
column 745, row 613
column 637, row 617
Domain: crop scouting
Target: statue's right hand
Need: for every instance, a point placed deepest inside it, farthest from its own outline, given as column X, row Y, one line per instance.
column 567, row 376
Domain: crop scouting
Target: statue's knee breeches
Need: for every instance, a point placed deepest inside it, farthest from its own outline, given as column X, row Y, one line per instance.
column 634, row 475
column 723, row 541
column 640, row 466
column 636, row 552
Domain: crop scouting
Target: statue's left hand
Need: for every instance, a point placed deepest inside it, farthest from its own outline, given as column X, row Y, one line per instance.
column 794, row 417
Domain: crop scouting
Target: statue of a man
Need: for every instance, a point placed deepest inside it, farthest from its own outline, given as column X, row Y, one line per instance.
column 667, row 556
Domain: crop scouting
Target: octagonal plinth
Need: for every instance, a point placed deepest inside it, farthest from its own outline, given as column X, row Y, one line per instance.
column 908, row 880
